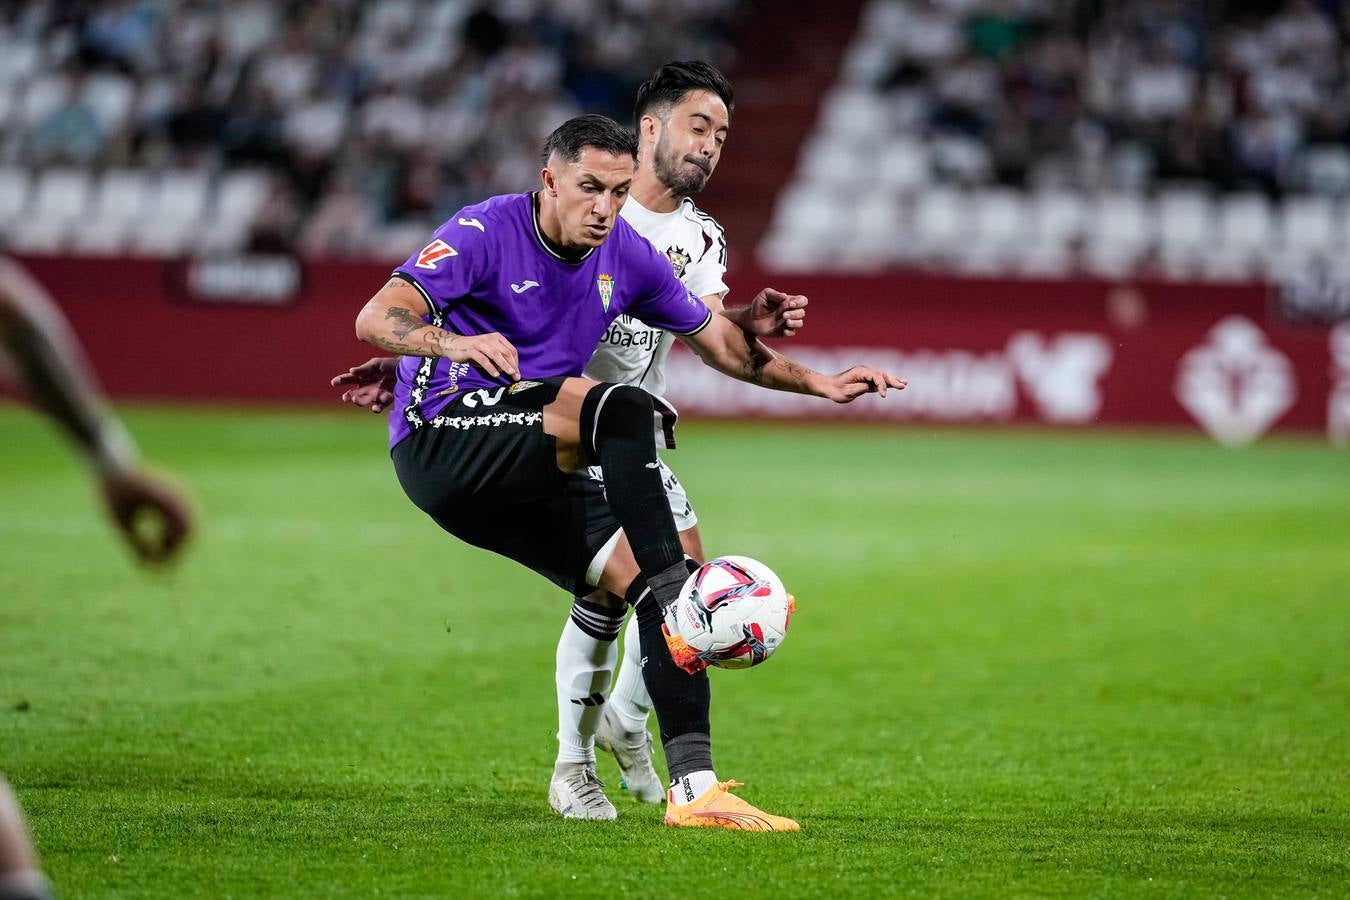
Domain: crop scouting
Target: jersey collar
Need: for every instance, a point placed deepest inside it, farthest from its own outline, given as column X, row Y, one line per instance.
column 551, row 248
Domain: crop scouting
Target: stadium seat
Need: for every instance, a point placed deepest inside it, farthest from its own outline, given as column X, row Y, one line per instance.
column 120, row 197
column 1119, row 226
column 39, row 236
column 1185, row 220
column 1058, row 216
column 62, row 196
column 904, row 165
column 1306, row 225
column 15, row 186
column 941, row 223
column 1327, row 170
column 19, row 59
column 180, row 197
column 853, row 114
column 1244, row 224
column 1225, row 263
column 1043, row 259
column 160, row 237
column 1000, row 218
column 110, row 97
column 44, row 94
column 240, row 195
column 808, row 211
column 873, row 229
column 831, row 162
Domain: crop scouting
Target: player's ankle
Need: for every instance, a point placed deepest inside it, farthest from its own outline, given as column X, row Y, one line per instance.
column 570, row 757
column 689, row 787
column 631, row 720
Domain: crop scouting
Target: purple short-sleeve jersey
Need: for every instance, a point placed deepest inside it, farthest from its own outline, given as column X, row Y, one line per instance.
column 489, row 269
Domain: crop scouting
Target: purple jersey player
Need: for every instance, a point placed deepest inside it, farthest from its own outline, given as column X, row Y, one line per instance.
column 490, row 268
column 503, row 309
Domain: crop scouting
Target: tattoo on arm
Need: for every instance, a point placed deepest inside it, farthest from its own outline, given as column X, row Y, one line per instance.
column 772, row 370
column 404, row 322
column 410, row 336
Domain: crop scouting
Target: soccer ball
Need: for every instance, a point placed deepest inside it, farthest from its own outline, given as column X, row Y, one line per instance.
column 733, row 612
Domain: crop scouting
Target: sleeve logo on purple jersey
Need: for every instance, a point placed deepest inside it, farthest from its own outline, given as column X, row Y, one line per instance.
column 434, row 252
column 606, row 285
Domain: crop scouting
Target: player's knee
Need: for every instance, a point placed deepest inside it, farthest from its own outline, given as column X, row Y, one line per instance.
column 611, row 410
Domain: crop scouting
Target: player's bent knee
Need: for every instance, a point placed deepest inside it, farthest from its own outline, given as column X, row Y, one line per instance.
column 614, row 409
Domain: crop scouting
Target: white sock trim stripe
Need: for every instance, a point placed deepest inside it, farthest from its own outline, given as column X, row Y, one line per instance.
column 601, row 619
column 599, row 634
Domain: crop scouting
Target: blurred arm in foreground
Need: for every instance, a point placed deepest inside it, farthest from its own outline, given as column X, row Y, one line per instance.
column 40, row 354
column 19, row 875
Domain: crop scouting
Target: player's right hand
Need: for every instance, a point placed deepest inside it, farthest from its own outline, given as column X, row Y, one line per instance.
column 682, row 653
column 490, row 352
column 371, row 384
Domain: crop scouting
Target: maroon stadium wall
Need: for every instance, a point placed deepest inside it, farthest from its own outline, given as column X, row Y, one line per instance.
column 1236, row 360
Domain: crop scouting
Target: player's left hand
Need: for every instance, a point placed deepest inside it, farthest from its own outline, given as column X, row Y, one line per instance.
column 371, row 384
column 774, row 314
column 152, row 515
column 851, row 384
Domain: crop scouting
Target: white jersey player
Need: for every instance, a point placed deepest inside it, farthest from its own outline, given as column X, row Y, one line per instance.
column 683, row 115
column 633, row 352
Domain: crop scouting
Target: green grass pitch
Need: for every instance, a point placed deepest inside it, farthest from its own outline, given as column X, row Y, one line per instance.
column 1024, row 664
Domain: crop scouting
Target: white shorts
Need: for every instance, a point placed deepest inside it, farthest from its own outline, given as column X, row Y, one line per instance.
column 683, row 510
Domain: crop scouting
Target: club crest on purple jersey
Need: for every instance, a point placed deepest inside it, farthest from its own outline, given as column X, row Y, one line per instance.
column 606, row 285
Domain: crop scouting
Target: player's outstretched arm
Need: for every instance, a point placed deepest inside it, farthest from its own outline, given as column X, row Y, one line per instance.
column 732, row 352
column 47, row 363
column 371, row 384
column 772, row 314
column 392, row 320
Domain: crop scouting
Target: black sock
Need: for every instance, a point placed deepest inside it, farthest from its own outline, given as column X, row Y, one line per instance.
column 681, row 700
column 618, row 432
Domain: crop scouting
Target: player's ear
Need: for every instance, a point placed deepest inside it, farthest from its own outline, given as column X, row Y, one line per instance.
column 650, row 128
column 550, row 181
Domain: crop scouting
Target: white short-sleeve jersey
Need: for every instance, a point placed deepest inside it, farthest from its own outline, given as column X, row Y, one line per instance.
column 631, row 352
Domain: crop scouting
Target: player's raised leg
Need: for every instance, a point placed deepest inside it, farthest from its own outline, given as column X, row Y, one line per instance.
column 613, row 427
column 622, row 728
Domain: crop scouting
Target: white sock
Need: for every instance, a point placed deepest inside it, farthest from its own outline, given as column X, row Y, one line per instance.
column 630, row 701
column 585, row 662
column 688, row 788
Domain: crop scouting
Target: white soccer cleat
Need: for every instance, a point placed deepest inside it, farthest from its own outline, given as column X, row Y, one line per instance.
column 633, row 753
column 576, row 793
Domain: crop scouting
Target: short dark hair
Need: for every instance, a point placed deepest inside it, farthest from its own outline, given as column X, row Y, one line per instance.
column 591, row 130
column 669, row 84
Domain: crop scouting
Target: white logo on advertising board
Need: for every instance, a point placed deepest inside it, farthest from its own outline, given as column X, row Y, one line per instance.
column 1235, row 384
column 1338, row 402
column 1061, row 374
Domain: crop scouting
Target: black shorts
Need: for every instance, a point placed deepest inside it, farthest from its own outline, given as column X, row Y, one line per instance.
column 488, row 474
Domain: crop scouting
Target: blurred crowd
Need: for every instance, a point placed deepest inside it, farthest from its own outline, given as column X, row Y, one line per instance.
column 366, row 112
column 1117, row 94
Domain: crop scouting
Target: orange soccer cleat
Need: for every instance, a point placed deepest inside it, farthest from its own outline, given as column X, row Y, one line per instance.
column 685, row 657
column 719, row 808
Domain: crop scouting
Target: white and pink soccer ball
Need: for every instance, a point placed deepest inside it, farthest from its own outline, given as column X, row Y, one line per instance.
column 733, row 612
